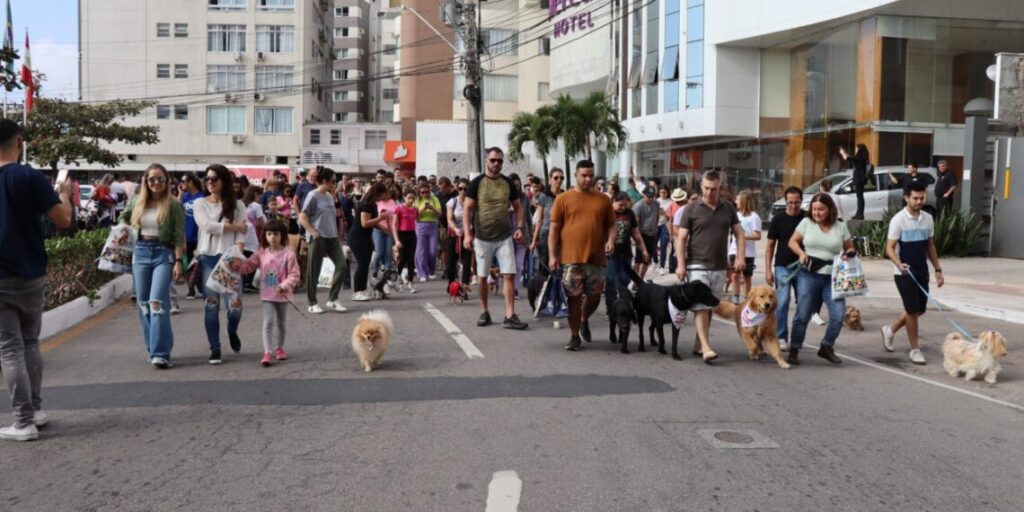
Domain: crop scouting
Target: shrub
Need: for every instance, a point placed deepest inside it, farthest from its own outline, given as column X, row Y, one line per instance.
column 955, row 234
column 870, row 237
column 71, row 271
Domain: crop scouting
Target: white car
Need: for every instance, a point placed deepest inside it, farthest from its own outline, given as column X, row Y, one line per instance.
column 880, row 193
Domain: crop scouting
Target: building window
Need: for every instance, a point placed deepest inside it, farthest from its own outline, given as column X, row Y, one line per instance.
column 389, row 94
column 335, row 137
column 181, row 112
column 340, row 12
column 390, row 49
column 163, row 111
column 225, row 120
column 337, row 117
column 375, row 139
column 163, row 30
column 387, row 115
column 273, row 120
column 226, row 5
column 225, row 38
column 275, row 38
column 496, row 87
column 276, row 5
column 670, row 59
column 543, row 91
column 652, row 50
column 225, row 78
column 274, row 78
column 181, row 30
column 346, row 32
column 314, row 137
column 694, row 53
column 340, row 95
column 163, row 70
column 181, row 71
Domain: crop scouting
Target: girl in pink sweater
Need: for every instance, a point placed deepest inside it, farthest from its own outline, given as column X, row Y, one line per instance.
column 279, row 273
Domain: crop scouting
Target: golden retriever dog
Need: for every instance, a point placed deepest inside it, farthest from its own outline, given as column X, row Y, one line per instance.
column 974, row 359
column 852, row 319
column 755, row 321
column 371, row 337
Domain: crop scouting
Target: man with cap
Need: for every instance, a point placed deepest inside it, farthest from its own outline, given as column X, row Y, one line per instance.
column 26, row 197
column 647, row 212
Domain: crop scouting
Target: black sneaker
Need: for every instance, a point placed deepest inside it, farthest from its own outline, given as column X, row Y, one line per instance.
column 485, row 319
column 513, row 322
column 574, row 344
column 585, row 331
column 215, row 357
column 236, row 343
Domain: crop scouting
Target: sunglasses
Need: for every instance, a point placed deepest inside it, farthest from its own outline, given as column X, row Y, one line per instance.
column 462, row 189
column 156, row 180
column 496, row 160
column 209, row 179
column 557, row 178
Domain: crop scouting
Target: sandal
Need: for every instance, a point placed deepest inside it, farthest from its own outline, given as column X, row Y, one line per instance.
column 709, row 356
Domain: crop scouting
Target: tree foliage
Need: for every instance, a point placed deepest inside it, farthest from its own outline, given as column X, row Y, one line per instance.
column 59, row 131
column 539, row 128
column 9, row 79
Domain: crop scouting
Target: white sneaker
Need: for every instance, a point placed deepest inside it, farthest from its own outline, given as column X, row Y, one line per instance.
column 411, row 289
column 916, row 356
column 41, row 419
column 887, row 337
column 175, row 309
column 13, row 433
column 336, row 306
column 423, row 279
column 315, row 309
column 783, row 345
column 817, row 319
column 360, row 297
column 662, row 271
column 157, row 362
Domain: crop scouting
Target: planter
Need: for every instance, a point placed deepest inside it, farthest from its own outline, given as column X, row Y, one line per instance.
column 68, row 315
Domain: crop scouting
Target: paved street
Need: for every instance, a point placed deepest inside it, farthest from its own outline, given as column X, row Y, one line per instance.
column 587, row 431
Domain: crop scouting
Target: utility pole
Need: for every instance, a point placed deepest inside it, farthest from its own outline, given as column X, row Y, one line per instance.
column 472, row 92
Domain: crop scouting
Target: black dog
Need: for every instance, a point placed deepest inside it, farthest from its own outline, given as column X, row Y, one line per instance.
column 386, row 282
column 621, row 314
column 536, row 284
column 652, row 301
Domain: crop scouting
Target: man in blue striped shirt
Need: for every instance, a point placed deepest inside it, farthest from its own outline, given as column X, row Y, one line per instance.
column 911, row 243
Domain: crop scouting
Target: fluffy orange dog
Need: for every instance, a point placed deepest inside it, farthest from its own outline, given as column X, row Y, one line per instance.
column 755, row 321
column 371, row 337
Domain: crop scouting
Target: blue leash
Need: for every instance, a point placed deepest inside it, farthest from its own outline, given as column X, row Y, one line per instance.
column 792, row 268
column 956, row 325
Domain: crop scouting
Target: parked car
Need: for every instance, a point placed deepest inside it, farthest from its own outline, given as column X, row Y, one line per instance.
column 85, row 193
column 880, row 193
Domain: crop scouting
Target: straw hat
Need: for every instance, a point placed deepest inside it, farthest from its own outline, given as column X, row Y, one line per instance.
column 678, row 195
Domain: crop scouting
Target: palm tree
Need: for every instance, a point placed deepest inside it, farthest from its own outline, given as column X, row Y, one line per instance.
column 538, row 128
column 602, row 118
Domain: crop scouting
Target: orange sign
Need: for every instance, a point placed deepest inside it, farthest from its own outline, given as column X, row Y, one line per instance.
column 400, row 151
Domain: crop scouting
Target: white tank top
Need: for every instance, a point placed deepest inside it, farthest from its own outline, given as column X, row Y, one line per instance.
column 148, row 226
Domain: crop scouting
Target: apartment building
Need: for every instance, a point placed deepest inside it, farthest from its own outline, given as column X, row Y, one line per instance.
column 351, row 68
column 234, row 81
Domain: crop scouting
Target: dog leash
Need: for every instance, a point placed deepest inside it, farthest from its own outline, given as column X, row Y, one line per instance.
column 793, row 271
column 956, row 325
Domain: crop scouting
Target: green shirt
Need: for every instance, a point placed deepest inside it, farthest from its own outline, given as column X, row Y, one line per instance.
column 172, row 230
column 822, row 245
column 428, row 215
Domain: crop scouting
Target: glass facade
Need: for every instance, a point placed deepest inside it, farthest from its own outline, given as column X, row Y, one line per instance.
column 651, row 66
column 694, row 53
column 670, row 59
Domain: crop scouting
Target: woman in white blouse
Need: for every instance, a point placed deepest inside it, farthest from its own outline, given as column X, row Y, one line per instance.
column 221, row 220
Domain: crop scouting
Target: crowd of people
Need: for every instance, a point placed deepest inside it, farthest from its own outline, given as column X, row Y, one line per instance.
column 494, row 230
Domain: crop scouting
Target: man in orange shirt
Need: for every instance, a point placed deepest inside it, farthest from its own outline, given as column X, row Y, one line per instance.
column 582, row 234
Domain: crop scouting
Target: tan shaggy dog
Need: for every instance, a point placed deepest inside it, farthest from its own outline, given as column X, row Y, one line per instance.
column 371, row 337
column 974, row 359
column 755, row 321
column 852, row 319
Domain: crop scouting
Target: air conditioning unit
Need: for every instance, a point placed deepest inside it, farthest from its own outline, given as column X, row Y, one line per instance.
column 269, row 159
column 229, row 98
column 238, row 139
column 239, row 56
column 259, row 96
column 259, row 56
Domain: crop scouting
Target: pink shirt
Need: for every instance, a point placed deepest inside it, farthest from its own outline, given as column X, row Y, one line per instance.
column 276, row 269
column 386, row 206
column 406, row 217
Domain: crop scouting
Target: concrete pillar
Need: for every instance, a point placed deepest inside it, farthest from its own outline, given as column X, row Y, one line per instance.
column 973, row 183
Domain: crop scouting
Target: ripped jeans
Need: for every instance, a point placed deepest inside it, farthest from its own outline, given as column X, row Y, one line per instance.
column 213, row 300
column 152, row 270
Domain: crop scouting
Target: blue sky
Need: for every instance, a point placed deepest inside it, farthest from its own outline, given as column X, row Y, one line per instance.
column 53, row 33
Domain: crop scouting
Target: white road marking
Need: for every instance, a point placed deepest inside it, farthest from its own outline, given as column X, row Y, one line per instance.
column 503, row 492
column 465, row 344
column 914, row 377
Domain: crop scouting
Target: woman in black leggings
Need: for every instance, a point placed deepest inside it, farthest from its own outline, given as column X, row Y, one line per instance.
column 360, row 237
column 860, row 161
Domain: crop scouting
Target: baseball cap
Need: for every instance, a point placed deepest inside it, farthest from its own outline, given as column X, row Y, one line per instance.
column 650, row 191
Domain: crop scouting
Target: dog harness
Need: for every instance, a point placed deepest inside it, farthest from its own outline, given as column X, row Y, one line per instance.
column 748, row 318
column 678, row 316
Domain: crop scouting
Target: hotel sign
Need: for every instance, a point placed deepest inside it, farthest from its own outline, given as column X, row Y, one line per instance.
column 574, row 22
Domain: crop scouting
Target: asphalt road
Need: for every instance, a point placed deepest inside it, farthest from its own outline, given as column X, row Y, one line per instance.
column 588, row 431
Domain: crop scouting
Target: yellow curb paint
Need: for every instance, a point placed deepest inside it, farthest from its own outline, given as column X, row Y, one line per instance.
column 85, row 326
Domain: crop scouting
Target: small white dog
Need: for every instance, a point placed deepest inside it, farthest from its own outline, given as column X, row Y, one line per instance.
column 371, row 337
column 974, row 359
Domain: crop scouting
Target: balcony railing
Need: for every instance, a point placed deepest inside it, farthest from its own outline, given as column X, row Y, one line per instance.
column 339, row 156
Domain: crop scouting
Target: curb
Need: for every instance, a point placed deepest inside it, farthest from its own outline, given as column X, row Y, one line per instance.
column 68, row 315
column 1005, row 315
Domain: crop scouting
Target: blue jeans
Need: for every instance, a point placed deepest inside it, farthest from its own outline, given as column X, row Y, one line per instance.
column 615, row 274
column 813, row 290
column 663, row 240
column 783, row 293
column 213, row 300
column 152, row 270
column 382, row 244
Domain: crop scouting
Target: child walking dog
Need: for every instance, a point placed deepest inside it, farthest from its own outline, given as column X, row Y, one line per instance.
column 279, row 274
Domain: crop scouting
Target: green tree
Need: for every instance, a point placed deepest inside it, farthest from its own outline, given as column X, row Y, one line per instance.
column 539, row 128
column 59, row 131
column 9, row 73
column 582, row 124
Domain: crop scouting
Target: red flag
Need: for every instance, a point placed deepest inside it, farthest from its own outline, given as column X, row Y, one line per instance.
column 26, row 77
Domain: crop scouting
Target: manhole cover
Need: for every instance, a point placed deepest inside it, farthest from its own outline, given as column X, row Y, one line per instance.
column 737, row 439
column 729, row 436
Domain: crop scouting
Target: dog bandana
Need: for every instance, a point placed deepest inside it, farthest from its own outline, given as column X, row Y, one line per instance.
column 678, row 316
column 750, row 319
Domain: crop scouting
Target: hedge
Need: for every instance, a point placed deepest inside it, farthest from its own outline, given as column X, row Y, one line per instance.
column 71, row 272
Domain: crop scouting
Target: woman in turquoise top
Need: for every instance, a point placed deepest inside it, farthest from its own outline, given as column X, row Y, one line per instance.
column 817, row 241
column 429, row 207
